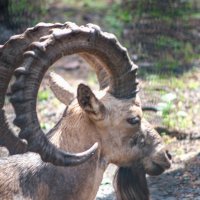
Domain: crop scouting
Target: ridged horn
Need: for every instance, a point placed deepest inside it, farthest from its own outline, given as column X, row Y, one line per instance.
column 10, row 59
column 11, row 55
column 42, row 54
column 61, row 88
column 121, row 74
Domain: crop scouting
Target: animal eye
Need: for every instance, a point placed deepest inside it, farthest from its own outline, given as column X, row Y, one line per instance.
column 134, row 120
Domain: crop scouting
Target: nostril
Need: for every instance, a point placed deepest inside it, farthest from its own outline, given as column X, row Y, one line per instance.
column 168, row 155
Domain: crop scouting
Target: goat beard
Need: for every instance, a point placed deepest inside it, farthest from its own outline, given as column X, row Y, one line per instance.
column 131, row 183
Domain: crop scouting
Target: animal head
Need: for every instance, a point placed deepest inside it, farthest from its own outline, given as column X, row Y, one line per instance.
column 127, row 138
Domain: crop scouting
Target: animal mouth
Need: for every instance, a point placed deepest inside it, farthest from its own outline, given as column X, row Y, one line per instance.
column 156, row 170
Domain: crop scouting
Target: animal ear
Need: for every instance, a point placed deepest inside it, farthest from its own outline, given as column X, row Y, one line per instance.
column 61, row 89
column 89, row 103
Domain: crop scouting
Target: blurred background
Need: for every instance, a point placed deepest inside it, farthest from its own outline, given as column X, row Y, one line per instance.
column 162, row 38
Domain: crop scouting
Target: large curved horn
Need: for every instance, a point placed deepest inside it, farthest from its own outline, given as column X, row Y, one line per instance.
column 42, row 54
column 9, row 139
column 102, row 75
column 122, row 82
column 11, row 55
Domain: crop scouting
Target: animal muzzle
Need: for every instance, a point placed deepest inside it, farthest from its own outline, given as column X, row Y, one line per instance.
column 157, row 163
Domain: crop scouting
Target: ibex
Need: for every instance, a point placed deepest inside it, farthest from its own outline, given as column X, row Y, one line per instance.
column 111, row 117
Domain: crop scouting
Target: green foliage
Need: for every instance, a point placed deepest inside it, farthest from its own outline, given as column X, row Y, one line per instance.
column 114, row 25
column 171, row 112
column 94, row 4
column 169, row 64
column 117, row 17
column 176, row 108
column 168, row 42
column 166, row 9
column 89, row 4
column 171, row 50
column 24, row 13
column 46, row 126
column 166, row 106
column 163, row 44
column 43, row 95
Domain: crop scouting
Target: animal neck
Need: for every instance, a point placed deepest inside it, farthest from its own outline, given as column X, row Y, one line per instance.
column 75, row 133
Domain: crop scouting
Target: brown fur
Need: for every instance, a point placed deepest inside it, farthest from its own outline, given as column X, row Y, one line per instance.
column 92, row 118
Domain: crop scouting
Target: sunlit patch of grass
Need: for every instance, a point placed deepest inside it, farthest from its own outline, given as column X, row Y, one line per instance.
column 175, row 120
column 165, row 107
column 172, row 81
column 172, row 112
column 193, row 84
column 177, row 83
column 175, row 108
